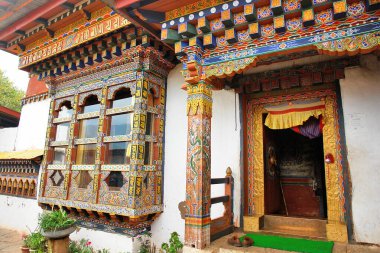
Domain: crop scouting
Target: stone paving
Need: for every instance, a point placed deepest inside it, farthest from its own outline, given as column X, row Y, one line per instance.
column 10, row 241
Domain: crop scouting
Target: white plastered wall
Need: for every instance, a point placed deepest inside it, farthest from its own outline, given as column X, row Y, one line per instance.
column 8, row 139
column 15, row 212
column 115, row 243
column 32, row 127
column 360, row 97
column 225, row 152
column 19, row 213
column 225, row 148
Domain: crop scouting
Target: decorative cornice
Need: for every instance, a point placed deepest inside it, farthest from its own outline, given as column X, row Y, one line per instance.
column 363, row 44
column 35, row 98
column 51, row 21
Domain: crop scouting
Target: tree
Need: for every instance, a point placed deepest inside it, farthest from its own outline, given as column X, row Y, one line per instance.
column 10, row 96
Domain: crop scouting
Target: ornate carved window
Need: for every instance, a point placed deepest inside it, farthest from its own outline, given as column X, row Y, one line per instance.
column 108, row 163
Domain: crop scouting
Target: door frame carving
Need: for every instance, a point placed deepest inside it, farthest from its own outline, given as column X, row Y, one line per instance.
column 336, row 227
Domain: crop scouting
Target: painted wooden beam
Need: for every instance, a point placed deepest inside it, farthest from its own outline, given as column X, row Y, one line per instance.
column 306, row 3
column 86, row 14
column 170, row 36
column 68, row 6
column 279, row 24
column 76, row 55
column 372, row 5
column 308, row 17
column 21, row 46
column 230, row 35
column 254, row 30
column 179, row 47
column 141, row 23
column 142, row 3
column 204, row 25
column 250, row 12
column 30, row 17
column 80, row 64
column 227, row 18
column 209, row 41
column 98, row 57
column 116, row 50
column 119, row 4
column 340, row 9
column 121, row 37
column 133, row 43
column 196, row 41
column 88, row 60
column 20, row 32
column 106, row 54
column 186, row 30
column 43, row 21
column 73, row 66
column 153, row 16
column 50, row 32
column 276, row 6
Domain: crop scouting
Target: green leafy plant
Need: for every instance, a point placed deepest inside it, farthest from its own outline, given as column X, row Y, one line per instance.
column 55, row 220
column 84, row 246
column 174, row 246
column 145, row 245
column 35, row 241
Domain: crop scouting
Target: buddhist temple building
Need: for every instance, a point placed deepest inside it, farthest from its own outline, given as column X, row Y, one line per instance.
column 202, row 117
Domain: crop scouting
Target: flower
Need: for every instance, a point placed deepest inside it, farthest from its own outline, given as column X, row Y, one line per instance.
column 88, row 243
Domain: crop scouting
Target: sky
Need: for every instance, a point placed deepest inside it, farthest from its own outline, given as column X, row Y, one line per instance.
column 9, row 65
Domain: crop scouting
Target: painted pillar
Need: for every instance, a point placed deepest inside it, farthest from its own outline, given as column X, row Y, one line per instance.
column 198, row 166
column 138, row 143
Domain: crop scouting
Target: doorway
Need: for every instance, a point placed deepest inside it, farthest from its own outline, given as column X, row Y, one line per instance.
column 294, row 174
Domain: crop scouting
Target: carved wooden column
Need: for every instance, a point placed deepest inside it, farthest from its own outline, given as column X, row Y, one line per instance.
column 198, row 166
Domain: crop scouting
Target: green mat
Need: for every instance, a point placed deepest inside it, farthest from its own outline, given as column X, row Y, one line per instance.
column 290, row 244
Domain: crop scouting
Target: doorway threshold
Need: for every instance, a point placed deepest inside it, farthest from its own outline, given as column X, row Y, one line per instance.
column 294, row 226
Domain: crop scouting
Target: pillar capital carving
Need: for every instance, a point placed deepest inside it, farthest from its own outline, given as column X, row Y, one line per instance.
column 199, row 100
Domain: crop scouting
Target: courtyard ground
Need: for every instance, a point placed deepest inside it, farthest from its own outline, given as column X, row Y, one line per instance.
column 10, row 241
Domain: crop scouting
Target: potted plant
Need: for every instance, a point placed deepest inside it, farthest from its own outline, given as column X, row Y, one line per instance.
column 35, row 242
column 24, row 248
column 56, row 224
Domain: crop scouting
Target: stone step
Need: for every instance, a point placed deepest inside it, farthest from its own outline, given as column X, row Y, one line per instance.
column 293, row 226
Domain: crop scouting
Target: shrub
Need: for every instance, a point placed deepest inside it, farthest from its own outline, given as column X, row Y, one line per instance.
column 174, row 246
column 35, row 241
column 55, row 220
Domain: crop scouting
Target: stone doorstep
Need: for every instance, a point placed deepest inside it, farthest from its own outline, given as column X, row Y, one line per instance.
column 221, row 246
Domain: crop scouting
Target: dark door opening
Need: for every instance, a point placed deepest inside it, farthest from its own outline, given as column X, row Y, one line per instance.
column 294, row 179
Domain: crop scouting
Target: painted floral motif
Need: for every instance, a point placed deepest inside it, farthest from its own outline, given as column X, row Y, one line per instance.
column 324, row 16
column 293, row 24
column 239, row 18
column 291, row 5
column 243, row 35
column 264, row 12
column 221, row 41
column 356, row 9
column 216, row 24
column 267, row 30
column 351, row 44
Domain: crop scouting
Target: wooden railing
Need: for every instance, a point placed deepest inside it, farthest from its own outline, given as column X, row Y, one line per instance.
column 223, row 225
